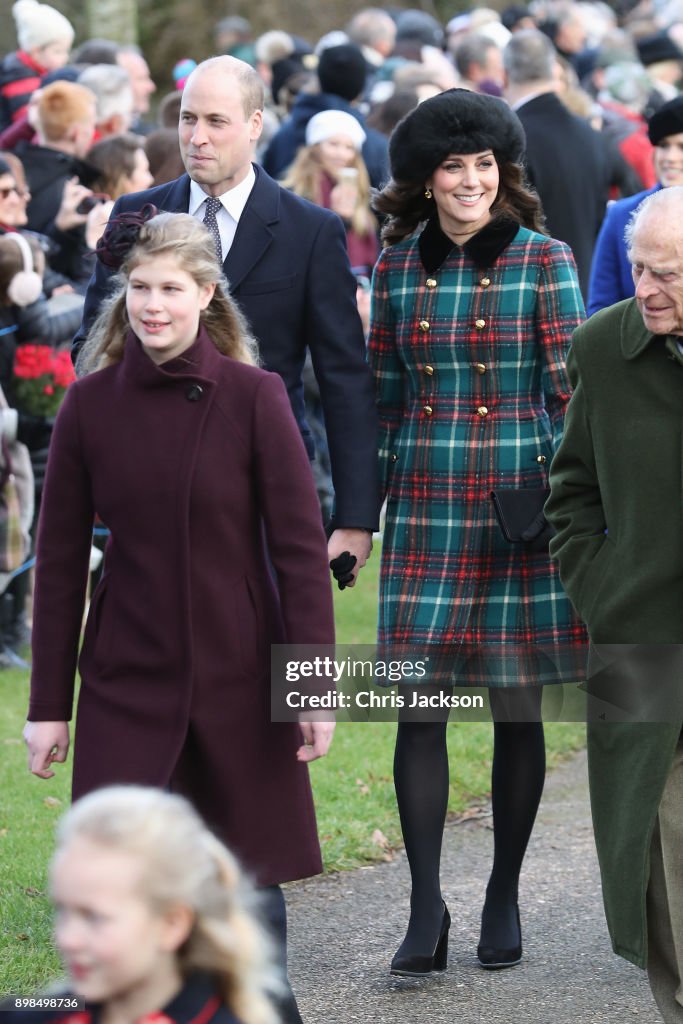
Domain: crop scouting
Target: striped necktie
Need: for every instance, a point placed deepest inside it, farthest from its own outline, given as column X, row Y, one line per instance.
column 213, row 205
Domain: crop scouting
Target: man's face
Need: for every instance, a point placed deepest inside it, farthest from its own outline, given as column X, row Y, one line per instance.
column 493, row 68
column 140, row 79
column 84, row 132
column 216, row 138
column 657, row 264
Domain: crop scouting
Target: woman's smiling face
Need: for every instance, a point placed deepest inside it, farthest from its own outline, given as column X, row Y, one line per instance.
column 464, row 189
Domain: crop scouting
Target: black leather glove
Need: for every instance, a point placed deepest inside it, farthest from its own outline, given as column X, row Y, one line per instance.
column 538, row 533
column 34, row 431
column 342, row 568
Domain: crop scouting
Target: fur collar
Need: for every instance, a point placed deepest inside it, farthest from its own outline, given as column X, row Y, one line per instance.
column 484, row 248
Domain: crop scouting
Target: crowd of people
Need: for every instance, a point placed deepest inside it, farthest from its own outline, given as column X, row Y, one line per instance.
column 371, row 251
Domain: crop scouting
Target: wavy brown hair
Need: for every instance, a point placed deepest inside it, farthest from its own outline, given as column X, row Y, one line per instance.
column 114, row 158
column 405, row 206
column 189, row 243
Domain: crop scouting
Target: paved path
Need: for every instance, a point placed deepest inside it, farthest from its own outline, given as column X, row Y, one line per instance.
column 346, row 927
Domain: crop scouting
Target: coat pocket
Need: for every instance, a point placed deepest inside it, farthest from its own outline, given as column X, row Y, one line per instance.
column 254, row 650
column 275, row 284
column 597, row 581
column 94, row 649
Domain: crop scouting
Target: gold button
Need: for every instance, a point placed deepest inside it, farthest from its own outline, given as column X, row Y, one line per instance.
column 541, row 459
column 431, row 283
column 479, row 367
column 485, row 282
column 424, row 325
column 428, row 410
column 482, row 411
column 480, row 324
column 429, row 370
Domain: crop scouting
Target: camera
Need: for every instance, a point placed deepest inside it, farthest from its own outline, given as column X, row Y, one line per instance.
column 90, row 202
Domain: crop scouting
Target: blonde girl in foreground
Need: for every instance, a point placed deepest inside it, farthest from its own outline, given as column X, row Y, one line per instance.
column 152, row 918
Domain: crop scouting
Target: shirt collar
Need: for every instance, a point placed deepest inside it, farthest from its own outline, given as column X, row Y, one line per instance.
column 529, row 97
column 234, row 200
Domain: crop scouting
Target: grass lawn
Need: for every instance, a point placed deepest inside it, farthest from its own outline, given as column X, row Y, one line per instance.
column 357, row 815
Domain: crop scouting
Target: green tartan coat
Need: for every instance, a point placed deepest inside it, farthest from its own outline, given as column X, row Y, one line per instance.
column 617, row 481
column 467, row 346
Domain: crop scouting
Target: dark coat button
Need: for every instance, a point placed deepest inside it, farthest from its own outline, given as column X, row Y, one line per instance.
column 194, row 393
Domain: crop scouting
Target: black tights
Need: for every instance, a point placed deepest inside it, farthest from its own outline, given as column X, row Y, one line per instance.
column 421, row 780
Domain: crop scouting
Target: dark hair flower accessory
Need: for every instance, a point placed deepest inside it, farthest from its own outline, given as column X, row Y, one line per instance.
column 121, row 234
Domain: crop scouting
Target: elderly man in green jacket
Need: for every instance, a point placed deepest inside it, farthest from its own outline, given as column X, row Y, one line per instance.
column 617, row 506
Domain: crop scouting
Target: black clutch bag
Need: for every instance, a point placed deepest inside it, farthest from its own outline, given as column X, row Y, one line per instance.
column 517, row 508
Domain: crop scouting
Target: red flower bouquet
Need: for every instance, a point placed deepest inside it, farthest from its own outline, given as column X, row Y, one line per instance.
column 41, row 377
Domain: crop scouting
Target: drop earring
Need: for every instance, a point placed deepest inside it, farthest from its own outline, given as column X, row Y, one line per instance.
column 428, row 192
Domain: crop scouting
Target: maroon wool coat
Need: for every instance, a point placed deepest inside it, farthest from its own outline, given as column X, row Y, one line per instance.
column 188, row 464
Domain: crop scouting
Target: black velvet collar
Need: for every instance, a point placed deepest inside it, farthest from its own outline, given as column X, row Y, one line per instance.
column 484, row 248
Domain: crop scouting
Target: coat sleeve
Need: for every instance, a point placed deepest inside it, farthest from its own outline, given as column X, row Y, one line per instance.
column 38, row 325
column 388, row 371
column 575, row 506
column 334, row 335
column 62, row 561
column 559, row 311
column 292, row 519
column 604, row 288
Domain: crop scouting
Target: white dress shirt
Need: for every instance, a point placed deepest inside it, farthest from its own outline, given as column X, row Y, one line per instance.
column 232, row 207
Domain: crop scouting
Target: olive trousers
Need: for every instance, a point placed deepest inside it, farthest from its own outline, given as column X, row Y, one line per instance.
column 665, row 899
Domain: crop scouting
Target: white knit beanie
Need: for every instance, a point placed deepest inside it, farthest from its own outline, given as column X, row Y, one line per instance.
column 334, row 122
column 39, row 24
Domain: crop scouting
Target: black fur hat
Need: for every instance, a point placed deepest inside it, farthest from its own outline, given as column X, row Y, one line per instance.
column 667, row 120
column 455, row 121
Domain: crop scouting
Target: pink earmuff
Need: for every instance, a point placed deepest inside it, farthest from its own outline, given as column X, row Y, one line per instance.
column 26, row 286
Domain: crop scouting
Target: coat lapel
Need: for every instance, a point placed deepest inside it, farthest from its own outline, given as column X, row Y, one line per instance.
column 177, row 199
column 254, row 234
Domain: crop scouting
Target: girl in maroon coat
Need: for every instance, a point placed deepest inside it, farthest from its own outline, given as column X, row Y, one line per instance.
column 190, row 455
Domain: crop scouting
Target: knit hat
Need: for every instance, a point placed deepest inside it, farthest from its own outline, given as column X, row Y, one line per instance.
column 327, row 123
column 629, row 83
column 455, row 121
column 283, row 70
column 39, row 24
column 420, row 26
column 667, row 120
column 511, row 15
column 658, row 47
column 342, row 71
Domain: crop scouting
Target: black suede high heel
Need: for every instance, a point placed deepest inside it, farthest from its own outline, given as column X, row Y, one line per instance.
column 493, row 959
column 421, row 966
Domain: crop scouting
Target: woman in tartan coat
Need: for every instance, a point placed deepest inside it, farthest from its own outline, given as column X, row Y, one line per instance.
column 471, row 320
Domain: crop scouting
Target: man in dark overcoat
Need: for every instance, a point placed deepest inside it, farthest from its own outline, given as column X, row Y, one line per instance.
column 616, row 485
column 566, row 160
column 286, row 263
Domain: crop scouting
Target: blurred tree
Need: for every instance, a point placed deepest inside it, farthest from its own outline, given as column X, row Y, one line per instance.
column 112, row 19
